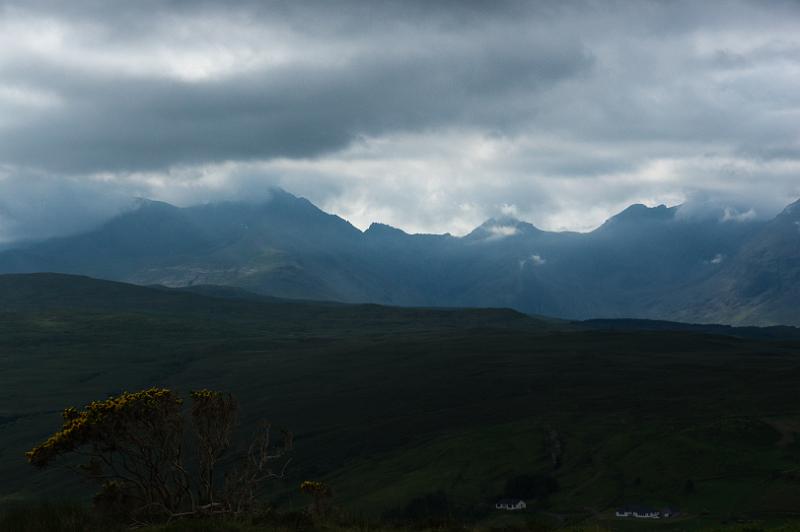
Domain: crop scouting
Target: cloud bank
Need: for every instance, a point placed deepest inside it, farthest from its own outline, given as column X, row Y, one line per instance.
column 431, row 116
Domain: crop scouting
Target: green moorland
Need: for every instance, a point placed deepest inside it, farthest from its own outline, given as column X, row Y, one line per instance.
column 423, row 413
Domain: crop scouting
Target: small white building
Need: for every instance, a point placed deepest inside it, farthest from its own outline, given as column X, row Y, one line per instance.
column 510, row 504
column 638, row 512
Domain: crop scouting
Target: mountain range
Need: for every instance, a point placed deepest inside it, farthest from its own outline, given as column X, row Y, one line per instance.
column 654, row 263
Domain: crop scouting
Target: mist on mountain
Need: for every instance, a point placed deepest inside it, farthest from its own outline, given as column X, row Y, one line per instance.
column 646, row 262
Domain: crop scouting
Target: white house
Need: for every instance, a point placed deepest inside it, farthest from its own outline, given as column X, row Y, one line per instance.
column 510, row 504
column 639, row 512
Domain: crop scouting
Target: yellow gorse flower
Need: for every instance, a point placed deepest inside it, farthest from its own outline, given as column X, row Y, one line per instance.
column 314, row 487
column 198, row 395
column 79, row 426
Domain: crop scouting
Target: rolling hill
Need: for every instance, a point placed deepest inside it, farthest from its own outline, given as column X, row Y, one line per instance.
column 390, row 404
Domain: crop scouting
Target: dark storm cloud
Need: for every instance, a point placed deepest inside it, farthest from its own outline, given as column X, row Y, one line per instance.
column 429, row 115
column 302, row 109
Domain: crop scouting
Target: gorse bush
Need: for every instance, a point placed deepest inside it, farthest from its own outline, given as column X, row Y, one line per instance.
column 133, row 446
column 133, row 443
column 321, row 494
column 129, row 419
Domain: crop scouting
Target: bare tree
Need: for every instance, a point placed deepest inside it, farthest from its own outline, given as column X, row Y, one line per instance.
column 256, row 467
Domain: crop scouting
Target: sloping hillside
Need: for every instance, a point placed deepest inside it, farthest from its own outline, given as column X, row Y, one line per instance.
column 390, row 404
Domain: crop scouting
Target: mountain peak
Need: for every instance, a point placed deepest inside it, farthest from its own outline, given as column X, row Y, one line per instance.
column 501, row 227
column 379, row 229
column 147, row 203
column 639, row 210
column 640, row 213
column 503, row 219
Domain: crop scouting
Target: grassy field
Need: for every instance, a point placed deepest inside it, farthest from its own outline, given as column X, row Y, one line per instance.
column 390, row 405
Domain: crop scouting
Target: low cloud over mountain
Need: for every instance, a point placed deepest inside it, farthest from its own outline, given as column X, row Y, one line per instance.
column 430, row 116
column 644, row 262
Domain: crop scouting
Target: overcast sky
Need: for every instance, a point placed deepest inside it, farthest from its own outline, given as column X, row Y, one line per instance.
column 430, row 116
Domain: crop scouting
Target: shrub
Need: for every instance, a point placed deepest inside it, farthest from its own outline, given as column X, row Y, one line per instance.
column 134, row 448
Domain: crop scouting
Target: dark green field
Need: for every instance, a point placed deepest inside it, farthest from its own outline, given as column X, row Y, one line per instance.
column 390, row 404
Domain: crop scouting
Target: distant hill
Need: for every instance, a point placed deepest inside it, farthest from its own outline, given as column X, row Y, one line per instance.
column 652, row 263
column 59, row 293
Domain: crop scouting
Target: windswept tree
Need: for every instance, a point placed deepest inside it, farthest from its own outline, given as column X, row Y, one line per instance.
column 133, row 446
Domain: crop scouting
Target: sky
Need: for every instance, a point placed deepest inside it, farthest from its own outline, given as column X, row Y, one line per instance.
column 431, row 116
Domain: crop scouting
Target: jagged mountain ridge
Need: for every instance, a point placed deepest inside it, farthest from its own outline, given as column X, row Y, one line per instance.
column 642, row 263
